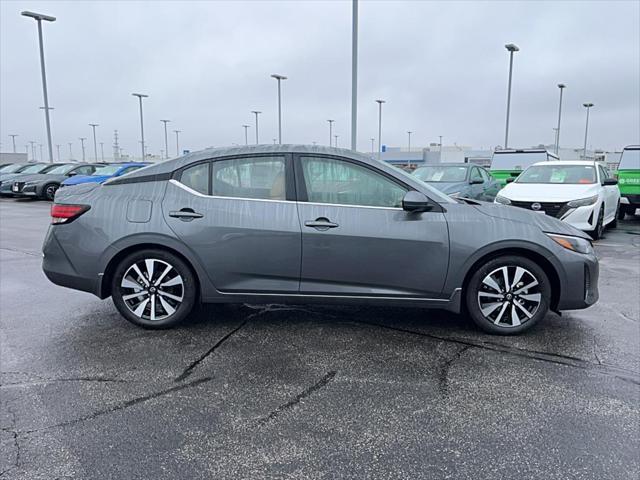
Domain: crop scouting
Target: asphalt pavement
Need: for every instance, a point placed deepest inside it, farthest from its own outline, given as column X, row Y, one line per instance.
column 312, row 391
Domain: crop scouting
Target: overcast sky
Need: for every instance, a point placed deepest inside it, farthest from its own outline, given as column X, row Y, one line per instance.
column 441, row 67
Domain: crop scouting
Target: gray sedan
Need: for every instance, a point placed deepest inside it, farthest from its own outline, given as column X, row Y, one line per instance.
column 303, row 224
column 461, row 180
column 45, row 185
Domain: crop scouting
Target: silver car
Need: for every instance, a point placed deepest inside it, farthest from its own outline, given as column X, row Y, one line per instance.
column 309, row 224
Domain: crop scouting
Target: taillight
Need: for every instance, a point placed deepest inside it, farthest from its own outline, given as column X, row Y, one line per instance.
column 66, row 213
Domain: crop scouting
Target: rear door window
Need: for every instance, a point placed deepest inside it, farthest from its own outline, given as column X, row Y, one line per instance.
column 196, row 178
column 250, row 177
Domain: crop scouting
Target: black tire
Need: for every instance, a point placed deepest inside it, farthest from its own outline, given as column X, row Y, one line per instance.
column 614, row 222
column 49, row 191
column 597, row 232
column 492, row 308
column 622, row 211
column 162, row 309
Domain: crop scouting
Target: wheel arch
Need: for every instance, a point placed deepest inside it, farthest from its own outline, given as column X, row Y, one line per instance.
column 547, row 266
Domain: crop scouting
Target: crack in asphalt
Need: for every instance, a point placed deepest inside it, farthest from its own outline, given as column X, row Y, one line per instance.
column 620, row 373
column 443, row 374
column 16, row 443
column 124, row 405
column 45, row 380
column 187, row 371
column 299, row 397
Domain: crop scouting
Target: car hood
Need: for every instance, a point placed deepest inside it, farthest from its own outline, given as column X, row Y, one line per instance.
column 42, row 177
column 537, row 192
column 10, row 176
column 448, row 187
column 78, row 179
column 544, row 222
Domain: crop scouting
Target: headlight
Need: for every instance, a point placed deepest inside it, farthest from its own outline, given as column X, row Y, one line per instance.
column 454, row 194
column 583, row 202
column 575, row 244
column 503, row 200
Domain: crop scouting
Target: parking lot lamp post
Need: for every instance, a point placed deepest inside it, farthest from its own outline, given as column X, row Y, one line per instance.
column 102, row 151
column 177, row 132
column 82, row 139
column 246, row 134
column 586, row 129
column 39, row 17
column 373, row 147
column 166, row 148
column 33, row 149
column 440, row 144
column 561, row 86
column 95, row 145
column 331, row 132
column 279, row 78
column 58, row 152
column 511, row 48
column 70, row 151
column 336, row 137
column 26, row 150
column 140, row 97
column 354, row 75
column 379, row 102
column 409, row 148
column 13, row 140
column 256, row 113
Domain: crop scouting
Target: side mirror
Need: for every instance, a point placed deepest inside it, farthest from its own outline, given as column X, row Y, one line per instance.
column 476, row 181
column 416, row 202
column 510, row 179
column 72, row 174
column 609, row 182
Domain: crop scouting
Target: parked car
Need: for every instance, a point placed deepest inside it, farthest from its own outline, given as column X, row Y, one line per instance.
column 459, row 180
column 509, row 163
column 581, row 193
column 7, row 179
column 104, row 173
column 14, row 168
column 45, row 185
column 629, row 180
column 304, row 224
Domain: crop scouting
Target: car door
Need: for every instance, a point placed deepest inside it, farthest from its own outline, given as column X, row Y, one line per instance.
column 238, row 216
column 356, row 238
column 490, row 186
column 476, row 189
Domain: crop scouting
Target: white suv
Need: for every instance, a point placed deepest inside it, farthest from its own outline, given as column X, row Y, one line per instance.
column 581, row 193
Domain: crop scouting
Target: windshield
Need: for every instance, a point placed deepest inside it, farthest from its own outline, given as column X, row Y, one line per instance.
column 442, row 173
column 516, row 161
column 16, row 167
column 565, row 174
column 630, row 160
column 33, row 169
column 106, row 170
column 60, row 170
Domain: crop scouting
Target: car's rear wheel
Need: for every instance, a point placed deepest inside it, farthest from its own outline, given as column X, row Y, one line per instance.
column 49, row 191
column 614, row 222
column 508, row 295
column 153, row 289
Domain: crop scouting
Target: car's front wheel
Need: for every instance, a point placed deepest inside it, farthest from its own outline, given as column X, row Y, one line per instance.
column 49, row 191
column 597, row 232
column 508, row 295
column 153, row 289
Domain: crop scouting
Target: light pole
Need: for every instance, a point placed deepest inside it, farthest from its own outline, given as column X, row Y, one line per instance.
column 561, row 86
column 409, row 149
column 586, row 129
column 70, row 151
column 33, row 150
column 58, row 152
column 336, row 137
column 354, row 75
column 440, row 144
column 140, row 97
column 39, row 17
column 331, row 132
column 166, row 148
column 102, row 151
column 41, row 156
column 279, row 78
column 511, row 48
column 95, row 145
column 13, row 140
column 82, row 139
column 246, row 134
column 177, row 142
column 379, row 102
column 256, row 113
column 373, row 148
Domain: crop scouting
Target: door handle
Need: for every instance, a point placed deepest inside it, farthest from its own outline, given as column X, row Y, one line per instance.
column 185, row 214
column 321, row 224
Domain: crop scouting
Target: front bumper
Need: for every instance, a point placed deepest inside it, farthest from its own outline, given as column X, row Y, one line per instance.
column 583, row 218
column 580, row 285
column 630, row 200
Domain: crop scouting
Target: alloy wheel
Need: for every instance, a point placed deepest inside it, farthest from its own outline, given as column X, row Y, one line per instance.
column 152, row 289
column 50, row 192
column 509, row 296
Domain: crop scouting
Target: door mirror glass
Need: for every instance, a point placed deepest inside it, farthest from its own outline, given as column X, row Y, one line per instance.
column 510, row 179
column 609, row 182
column 476, row 181
column 416, row 202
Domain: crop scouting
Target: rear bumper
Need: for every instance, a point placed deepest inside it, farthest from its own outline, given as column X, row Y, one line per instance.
column 58, row 268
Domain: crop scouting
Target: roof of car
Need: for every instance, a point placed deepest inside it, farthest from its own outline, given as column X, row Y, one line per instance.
column 569, row 162
column 448, row 164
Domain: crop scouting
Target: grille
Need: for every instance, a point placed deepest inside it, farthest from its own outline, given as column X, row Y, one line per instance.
column 553, row 209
